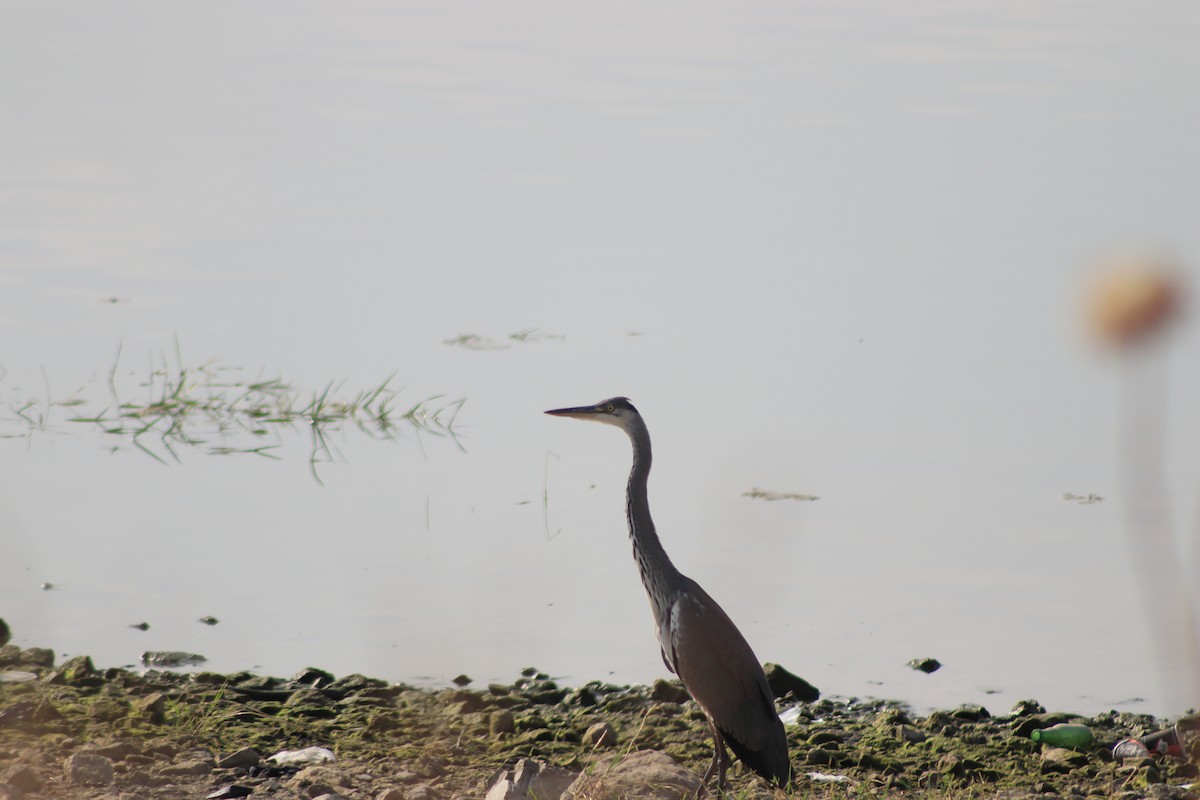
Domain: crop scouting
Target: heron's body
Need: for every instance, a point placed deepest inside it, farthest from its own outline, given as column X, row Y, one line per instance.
column 699, row 642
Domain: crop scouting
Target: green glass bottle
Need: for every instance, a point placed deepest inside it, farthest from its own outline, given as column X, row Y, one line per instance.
column 1064, row 734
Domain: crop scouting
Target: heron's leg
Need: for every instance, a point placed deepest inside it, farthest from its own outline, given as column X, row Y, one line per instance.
column 719, row 764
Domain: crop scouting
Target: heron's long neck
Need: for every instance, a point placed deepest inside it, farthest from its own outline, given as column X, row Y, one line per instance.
column 658, row 573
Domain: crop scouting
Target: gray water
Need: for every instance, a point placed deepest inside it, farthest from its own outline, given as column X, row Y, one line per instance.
column 827, row 249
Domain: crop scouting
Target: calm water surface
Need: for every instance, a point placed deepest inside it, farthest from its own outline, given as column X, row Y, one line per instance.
column 826, row 249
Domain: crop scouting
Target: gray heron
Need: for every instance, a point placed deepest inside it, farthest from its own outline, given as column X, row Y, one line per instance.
column 699, row 642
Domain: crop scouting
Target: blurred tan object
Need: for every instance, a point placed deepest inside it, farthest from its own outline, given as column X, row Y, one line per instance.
column 1131, row 299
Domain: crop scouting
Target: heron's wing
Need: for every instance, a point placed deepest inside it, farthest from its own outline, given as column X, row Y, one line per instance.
column 722, row 673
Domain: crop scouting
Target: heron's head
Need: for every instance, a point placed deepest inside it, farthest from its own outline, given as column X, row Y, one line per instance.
column 614, row 411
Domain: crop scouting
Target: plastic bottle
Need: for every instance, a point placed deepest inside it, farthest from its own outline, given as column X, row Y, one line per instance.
column 1064, row 734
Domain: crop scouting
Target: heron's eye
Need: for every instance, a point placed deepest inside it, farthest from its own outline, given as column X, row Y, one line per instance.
column 611, row 408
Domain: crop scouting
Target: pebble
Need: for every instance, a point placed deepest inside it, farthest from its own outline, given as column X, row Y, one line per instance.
column 116, row 751
column 88, row 769
column 390, row 794
column 153, row 707
column 600, row 735
column 665, row 691
column 24, row 777
column 501, row 722
column 424, row 793
column 464, row 702
column 245, row 758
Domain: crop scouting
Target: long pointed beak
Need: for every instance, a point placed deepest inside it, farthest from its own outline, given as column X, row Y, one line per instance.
column 579, row 412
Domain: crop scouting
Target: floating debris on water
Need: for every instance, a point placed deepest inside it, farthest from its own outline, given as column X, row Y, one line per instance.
column 763, row 494
column 141, row 626
column 1083, row 499
column 214, row 407
column 926, row 665
column 209, row 620
column 475, row 341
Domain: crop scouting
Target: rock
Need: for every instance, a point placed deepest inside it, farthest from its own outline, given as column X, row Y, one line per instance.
column 390, row 794
column 781, row 682
column 669, row 692
column 646, row 775
column 926, row 665
column 24, row 777
column 13, row 656
column 209, row 620
column 1025, row 708
column 5, row 633
column 39, row 711
column 349, row 684
column 152, row 708
column 77, row 671
column 331, row 796
column 501, row 722
column 171, row 658
column 10, row 655
column 242, row 759
column 320, row 780
column 970, row 713
column 600, row 735
column 88, row 769
column 313, row 677
column 309, row 698
column 464, row 701
column 583, row 696
column 10, row 792
column 544, row 692
column 907, row 733
column 1063, row 755
column 530, row 780
column 229, row 790
column 461, row 680
column 115, row 751
column 424, row 793
column 187, row 769
column 38, row 657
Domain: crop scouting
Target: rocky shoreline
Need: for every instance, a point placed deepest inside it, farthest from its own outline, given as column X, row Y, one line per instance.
column 72, row 732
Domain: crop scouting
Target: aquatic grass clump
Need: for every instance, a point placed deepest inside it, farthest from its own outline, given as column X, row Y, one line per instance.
column 212, row 407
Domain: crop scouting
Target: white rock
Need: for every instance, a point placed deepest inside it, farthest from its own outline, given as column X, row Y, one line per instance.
column 531, row 780
column 309, row 755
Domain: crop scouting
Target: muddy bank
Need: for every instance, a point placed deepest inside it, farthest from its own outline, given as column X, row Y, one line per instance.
column 72, row 731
